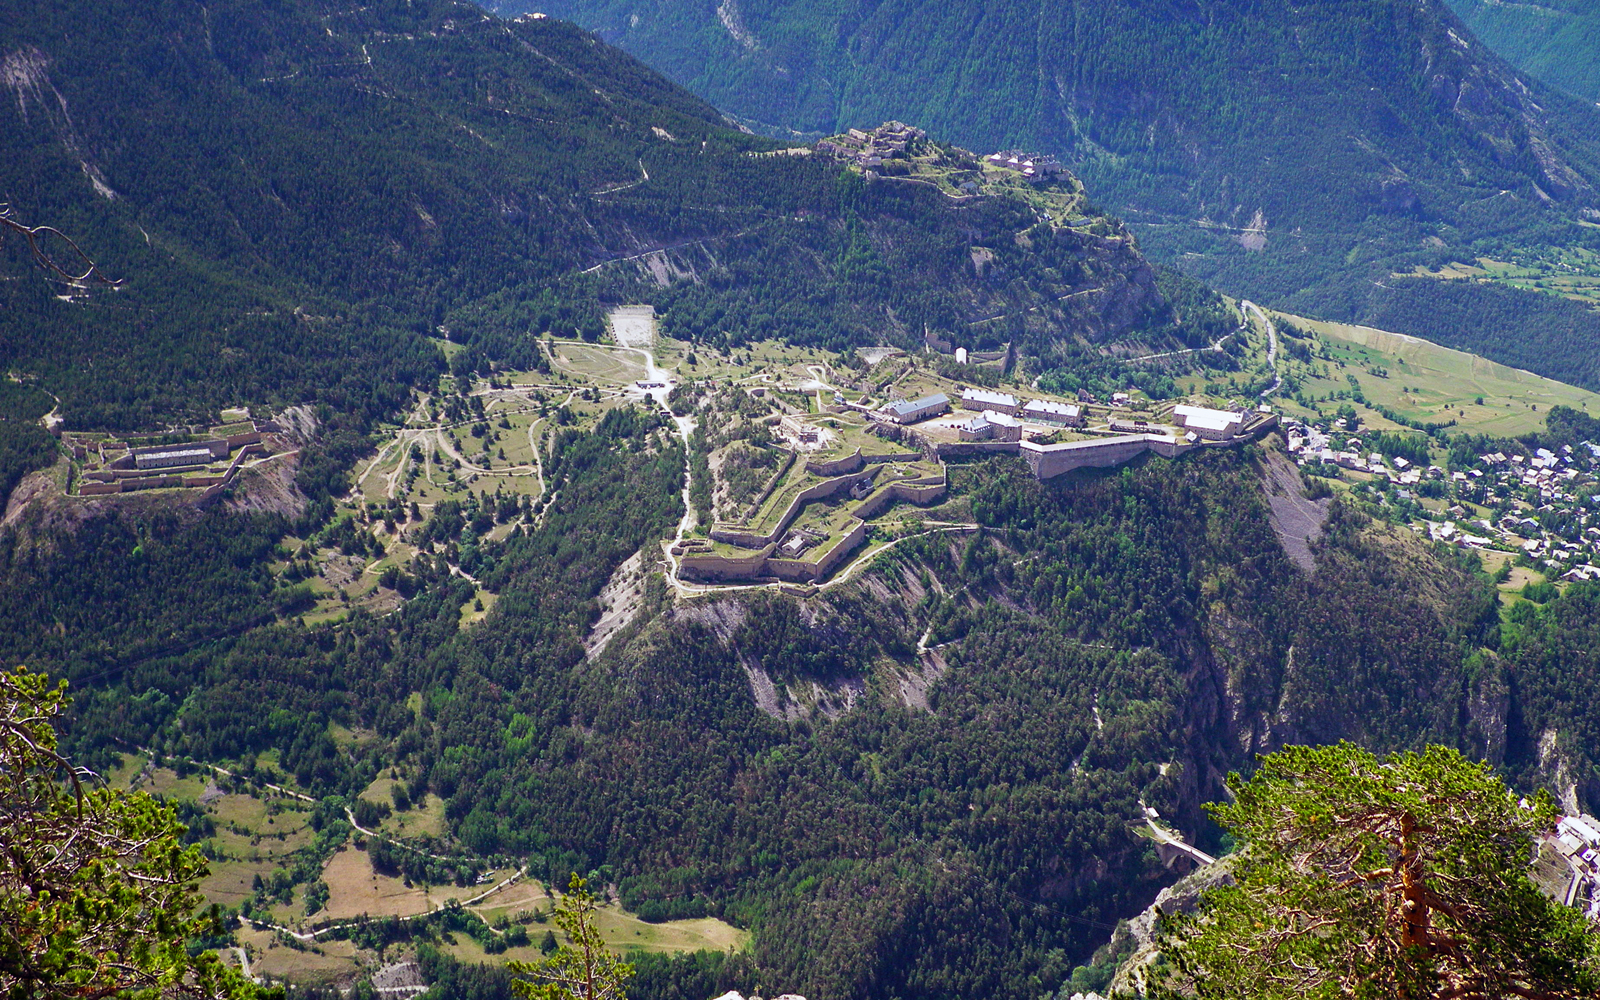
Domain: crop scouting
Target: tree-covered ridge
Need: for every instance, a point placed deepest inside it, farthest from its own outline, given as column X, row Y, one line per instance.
column 941, row 796
column 295, row 196
column 1104, row 640
column 1301, row 155
column 1146, row 81
column 1557, row 41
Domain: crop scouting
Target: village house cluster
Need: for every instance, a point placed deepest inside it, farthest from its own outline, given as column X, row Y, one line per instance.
column 1309, row 444
column 1543, row 504
column 889, row 141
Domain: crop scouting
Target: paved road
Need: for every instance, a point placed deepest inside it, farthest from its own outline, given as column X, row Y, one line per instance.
column 1216, row 345
column 1195, row 854
column 1272, row 346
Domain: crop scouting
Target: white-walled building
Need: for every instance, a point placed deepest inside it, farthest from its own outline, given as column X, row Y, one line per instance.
column 1046, row 412
column 1206, row 423
column 985, row 399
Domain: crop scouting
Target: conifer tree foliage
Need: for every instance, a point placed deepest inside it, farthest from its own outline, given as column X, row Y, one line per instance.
column 1359, row 876
column 98, row 895
column 583, row 968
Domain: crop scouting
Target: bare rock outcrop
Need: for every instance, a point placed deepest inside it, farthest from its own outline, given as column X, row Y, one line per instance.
column 1138, row 935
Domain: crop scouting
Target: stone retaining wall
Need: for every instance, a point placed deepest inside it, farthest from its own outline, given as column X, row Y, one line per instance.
column 918, row 491
column 855, row 461
column 772, row 484
column 969, row 449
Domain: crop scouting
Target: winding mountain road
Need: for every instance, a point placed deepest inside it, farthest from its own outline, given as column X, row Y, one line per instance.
column 1272, row 345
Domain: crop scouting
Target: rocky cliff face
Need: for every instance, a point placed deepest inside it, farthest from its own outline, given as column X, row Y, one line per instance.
column 1137, row 937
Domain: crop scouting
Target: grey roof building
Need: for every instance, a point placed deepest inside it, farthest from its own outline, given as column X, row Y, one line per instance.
column 909, row 411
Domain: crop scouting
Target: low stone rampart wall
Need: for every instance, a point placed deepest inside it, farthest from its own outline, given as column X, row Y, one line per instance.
column 971, row 449
column 839, row 466
column 772, row 483
column 821, row 491
column 922, row 491
column 706, row 566
column 804, row 571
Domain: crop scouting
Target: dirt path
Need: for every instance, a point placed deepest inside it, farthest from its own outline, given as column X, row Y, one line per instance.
column 1216, row 345
column 244, row 962
column 675, row 246
column 626, row 185
column 312, row 935
column 538, row 459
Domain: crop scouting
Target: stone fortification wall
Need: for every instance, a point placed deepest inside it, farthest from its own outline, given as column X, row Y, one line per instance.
column 858, row 460
column 218, row 448
column 975, row 448
column 106, row 483
column 148, row 483
column 1050, row 460
column 971, row 449
column 1258, row 425
column 233, row 470
column 821, row 491
column 918, row 491
column 878, row 458
column 772, row 484
column 802, row 571
column 839, row 466
column 706, row 566
column 130, row 484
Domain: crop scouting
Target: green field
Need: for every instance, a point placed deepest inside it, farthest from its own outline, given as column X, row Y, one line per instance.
column 1433, row 384
column 622, row 931
column 604, row 364
column 1570, row 272
column 255, row 832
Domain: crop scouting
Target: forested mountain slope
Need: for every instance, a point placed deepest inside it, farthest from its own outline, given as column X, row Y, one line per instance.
column 1129, row 636
column 1557, row 41
column 925, row 779
column 1301, row 153
column 295, row 195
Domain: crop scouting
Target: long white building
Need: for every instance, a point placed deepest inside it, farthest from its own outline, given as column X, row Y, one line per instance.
column 984, row 399
column 1206, row 423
